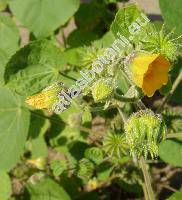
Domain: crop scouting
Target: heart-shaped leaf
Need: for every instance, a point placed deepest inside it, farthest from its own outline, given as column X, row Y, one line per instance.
column 14, row 124
column 43, row 17
column 34, row 67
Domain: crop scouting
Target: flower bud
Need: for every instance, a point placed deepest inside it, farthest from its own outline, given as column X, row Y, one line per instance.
column 144, row 131
column 92, row 184
column 102, row 89
column 46, row 98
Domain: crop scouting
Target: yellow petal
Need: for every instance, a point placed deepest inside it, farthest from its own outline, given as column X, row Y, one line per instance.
column 37, row 101
column 140, row 65
column 156, row 76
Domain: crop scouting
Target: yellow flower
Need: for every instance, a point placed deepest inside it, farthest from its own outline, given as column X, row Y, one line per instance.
column 150, row 72
column 92, row 184
column 46, row 98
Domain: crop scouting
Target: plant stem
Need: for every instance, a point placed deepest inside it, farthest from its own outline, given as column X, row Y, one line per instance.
column 56, row 121
column 125, row 99
column 64, row 38
column 174, row 135
column 168, row 187
column 122, row 115
column 140, row 105
column 67, row 76
column 167, row 97
column 148, row 186
column 145, row 191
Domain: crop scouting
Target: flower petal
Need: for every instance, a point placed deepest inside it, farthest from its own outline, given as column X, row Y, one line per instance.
column 156, row 76
column 140, row 65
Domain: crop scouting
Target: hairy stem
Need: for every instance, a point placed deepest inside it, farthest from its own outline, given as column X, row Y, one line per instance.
column 122, row 115
column 147, row 186
column 125, row 99
column 148, row 192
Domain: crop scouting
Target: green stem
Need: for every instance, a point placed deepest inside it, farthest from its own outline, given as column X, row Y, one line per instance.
column 125, row 99
column 67, row 76
column 56, row 121
column 96, row 109
column 145, row 191
column 149, row 194
column 64, row 38
column 122, row 115
column 147, row 186
column 140, row 105
column 174, row 135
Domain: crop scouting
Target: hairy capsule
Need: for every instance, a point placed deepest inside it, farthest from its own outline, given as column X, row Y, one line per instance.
column 144, row 131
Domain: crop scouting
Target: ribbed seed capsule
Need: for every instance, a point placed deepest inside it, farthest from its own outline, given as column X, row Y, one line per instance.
column 144, row 131
column 114, row 145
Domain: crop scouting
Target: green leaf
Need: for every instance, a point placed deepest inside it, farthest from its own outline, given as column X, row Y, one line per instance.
column 47, row 189
column 39, row 147
column 77, row 149
column 80, row 38
column 176, row 196
column 3, row 60
column 9, row 35
column 38, row 127
column 5, row 186
column 171, row 151
column 133, row 24
column 86, row 117
column 44, row 17
column 172, row 14
column 95, row 154
column 14, row 124
column 74, row 56
column 34, row 67
column 89, row 15
column 106, row 41
column 123, row 19
column 122, row 83
column 103, row 171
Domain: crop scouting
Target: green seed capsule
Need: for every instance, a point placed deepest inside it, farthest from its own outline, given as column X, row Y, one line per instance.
column 144, row 131
column 115, row 145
